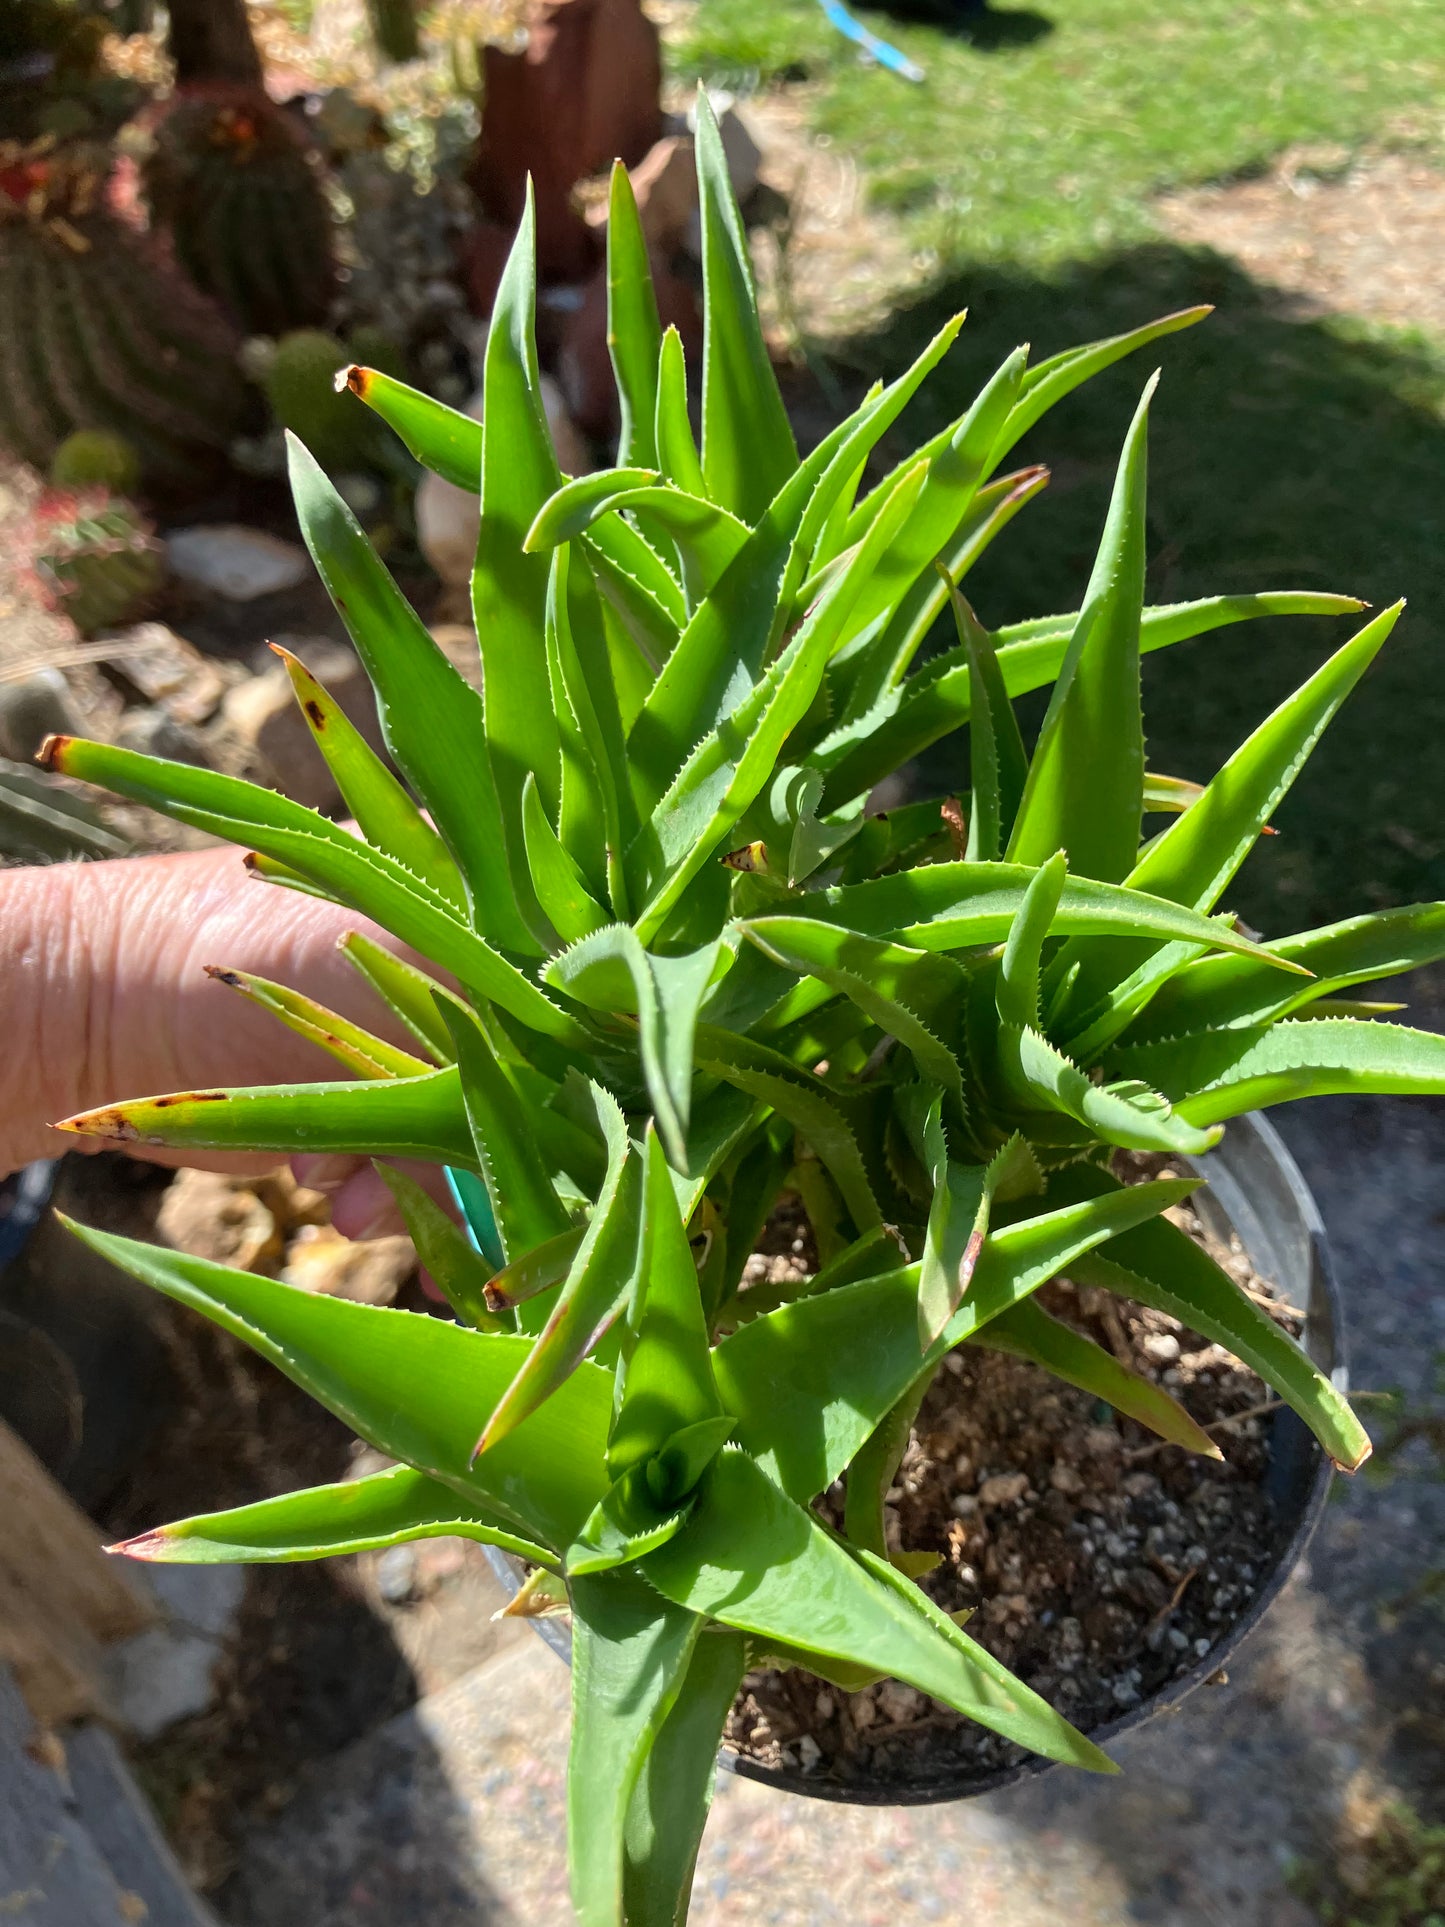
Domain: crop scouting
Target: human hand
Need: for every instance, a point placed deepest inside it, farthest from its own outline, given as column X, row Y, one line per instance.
column 105, row 995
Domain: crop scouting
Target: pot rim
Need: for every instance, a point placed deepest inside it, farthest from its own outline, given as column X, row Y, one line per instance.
column 1256, row 1143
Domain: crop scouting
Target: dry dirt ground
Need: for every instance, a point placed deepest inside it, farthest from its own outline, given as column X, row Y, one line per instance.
column 1341, row 234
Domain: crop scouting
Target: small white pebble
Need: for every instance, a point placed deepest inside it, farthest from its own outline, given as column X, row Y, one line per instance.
column 1003, row 1488
column 1162, row 1348
column 823, row 1706
column 898, row 1702
column 809, row 1752
column 964, row 1506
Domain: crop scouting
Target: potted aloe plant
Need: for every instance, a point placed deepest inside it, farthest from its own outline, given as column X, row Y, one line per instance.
column 676, row 962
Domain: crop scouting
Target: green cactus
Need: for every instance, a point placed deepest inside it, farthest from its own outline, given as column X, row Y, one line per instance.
column 99, row 330
column 96, row 458
column 233, row 182
column 301, row 388
column 96, row 558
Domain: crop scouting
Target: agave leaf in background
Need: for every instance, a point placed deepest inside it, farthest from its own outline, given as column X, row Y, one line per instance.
column 364, row 1364
column 357, row 1515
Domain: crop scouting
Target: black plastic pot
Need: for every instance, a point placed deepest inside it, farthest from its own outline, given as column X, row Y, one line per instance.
column 1256, row 1189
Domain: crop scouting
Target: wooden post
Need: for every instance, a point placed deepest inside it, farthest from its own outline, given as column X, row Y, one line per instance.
column 62, row 1600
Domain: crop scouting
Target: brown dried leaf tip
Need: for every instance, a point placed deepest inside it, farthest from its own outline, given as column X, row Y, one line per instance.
column 230, row 978
column 51, row 753
column 111, row 1122
column 356, row 378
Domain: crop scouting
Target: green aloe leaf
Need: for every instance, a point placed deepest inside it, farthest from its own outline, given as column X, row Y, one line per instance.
column 1215, row 993
column 407, row 992
column 729, row 768
column 578, row 504
column 875, row 1466
column 1049, row 381
column 1017, row 991
column 523, row 1197
column 326, row 1521
column 404, row 1117
column 1159, row 1265
column 807, row 1104
column 596, row 804
column 957, row 906
column 938, row 698
column 844, row 962
column 611, row 971
column 598, row 1282
column 674, row 1791
column 1027, row 1331
column 748, row 451
column 631, row 1653
column 388, row 818
column 1199, row 854
column 442, row 439
column 810, row 1382
column 735, row 630
column 431, row 719
column 997, row 760
column 1214, row 1075
column 1085, row 786
column 344, row 868
column 958, row 1221
column 666, row 1380
column 460, row 1271
column 565, row 900
column 677, row 454
column 365, row 1363
column 368, row 1056
column 754, row 1559
column 624, row 1526
column 509, row 587
column 1129, row 1112
column 634, row 332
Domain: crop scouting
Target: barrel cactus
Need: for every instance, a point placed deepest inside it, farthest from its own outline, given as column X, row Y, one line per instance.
column 98, row 330
column 96, row 458
column 232, row 180
column 301, row 386
column 96, row 558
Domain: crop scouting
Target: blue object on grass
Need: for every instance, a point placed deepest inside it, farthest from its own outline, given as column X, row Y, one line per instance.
column 838, row 16
column 477, row 1215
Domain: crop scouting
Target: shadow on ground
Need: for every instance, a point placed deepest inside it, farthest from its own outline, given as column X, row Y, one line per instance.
column 988, row 29
column 1285, row 453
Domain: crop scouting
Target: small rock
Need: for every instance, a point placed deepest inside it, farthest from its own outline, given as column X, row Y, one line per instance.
column 167, row 1673
column 32, row 710
column 1065, row 1479
column 167, row 671
column 964, row 1505
column 1004, row 1488
column 963, row 1467
column 447, row 516
column 396, row 1575
column 864, row 1710
column 809, row 1753
column 1160, row 1348
column 370, row 1271
column 235, row 561
column 220, row 1219
column 823, row 1706
column 899, row 1703
column 151, row 732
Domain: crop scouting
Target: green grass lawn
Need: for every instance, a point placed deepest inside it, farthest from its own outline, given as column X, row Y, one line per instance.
column 1285, row 453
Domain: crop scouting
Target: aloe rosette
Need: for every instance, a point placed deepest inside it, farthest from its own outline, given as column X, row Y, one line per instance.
column 684, row 971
